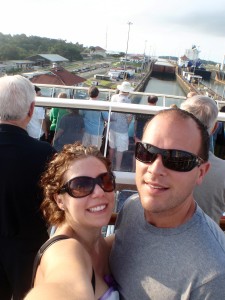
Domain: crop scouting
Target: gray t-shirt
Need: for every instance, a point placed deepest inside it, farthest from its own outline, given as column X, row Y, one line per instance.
column 187, row 262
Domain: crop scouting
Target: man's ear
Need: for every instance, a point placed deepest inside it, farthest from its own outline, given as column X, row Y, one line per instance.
column 203, row 170
column 31, row 109
column 214, row 128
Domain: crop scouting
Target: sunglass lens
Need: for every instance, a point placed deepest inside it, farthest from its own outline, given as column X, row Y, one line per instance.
column 180, row 161
column 81, row 187
column 142, row 154
column 107, row 182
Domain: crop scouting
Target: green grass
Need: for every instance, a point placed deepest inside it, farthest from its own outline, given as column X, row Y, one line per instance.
column 105, row 84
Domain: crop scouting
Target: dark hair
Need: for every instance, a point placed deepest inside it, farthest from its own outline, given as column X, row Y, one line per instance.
column 52, row 179
column 37, row 89
column 222, row 109
column 93, row 92
column 204, row 147
column 152, row 99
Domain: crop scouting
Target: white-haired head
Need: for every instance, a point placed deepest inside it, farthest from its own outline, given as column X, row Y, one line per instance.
column 203, row 108
column 16, row 95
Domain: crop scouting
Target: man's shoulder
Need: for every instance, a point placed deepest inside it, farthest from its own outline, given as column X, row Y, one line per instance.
column 214, row 231
column 39, row 146
column 213, row 157
column 217, row 164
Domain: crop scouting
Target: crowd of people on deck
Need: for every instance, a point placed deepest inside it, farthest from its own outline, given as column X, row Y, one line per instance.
column 167, row 242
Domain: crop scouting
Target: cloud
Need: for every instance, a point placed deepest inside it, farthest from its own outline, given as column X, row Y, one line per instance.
column 207, row 23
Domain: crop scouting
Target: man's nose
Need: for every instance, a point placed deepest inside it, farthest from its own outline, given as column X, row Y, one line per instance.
column 156, row 167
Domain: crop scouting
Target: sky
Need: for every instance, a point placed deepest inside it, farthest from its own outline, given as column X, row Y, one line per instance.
column 157, row 27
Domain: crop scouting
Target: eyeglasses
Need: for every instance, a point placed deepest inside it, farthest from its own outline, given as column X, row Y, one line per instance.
column 176, row 160
column 83, row 186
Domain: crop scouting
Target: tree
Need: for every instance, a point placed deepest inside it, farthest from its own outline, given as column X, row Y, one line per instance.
column 21, row 47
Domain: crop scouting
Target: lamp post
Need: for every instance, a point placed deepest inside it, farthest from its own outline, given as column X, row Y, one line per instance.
column 143, row 61
column 125, row 65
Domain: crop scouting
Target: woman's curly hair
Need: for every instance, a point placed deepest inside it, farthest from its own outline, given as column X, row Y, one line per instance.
column 52, row 179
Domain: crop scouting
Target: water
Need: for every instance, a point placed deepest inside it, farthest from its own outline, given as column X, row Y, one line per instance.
column 164, row 86
column 216, row 86
column 160, row 86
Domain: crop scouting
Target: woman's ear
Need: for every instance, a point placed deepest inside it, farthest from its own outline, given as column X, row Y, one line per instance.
column 59, row 201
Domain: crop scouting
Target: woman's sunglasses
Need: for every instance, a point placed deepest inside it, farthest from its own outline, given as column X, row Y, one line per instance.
column 83, row 186
column 176, row 160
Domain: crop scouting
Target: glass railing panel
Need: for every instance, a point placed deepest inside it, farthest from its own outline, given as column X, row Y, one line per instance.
column 91, row 127
column 47, row 91
column 69, row 125
column 69, row 129
column 58, row 91
column 121, row 141
column 80, row 94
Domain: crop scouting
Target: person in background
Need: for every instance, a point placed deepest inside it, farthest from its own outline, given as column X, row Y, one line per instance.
column 37, row 127
column 55, row 116
column 70, row 129
column 165, row 246
column 94, row 122
column 118, row 133
column 173, row 105
column 191, row 94
column 140, row 122
column 22, row 160
column 78, row 190
column 219, row 138
column 210, row 195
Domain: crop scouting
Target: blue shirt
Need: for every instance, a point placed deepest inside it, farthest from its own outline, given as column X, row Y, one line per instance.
column 94, row 121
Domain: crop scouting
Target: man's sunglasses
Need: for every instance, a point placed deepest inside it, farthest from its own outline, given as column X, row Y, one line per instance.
column 176, row 160
column 83, row 186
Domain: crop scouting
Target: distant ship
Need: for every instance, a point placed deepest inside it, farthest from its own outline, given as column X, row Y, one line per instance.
column 192, row 63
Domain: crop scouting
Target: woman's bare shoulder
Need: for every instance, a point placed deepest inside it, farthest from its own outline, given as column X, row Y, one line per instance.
column 66, row 269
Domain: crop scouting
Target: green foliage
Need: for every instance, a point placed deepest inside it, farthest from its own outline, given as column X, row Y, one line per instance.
column 22, row 47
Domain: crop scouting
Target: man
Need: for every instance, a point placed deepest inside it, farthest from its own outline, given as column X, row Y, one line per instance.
column 210, row 195
column 141, row 120
column 22, row 160
column 94, row 122
column 166, row 247
column 37, row 127
column 118, row 133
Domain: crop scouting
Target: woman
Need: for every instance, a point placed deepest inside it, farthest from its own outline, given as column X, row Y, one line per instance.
column 78, row 190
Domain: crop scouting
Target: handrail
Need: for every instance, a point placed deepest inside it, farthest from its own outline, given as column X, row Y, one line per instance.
column 104, row 105
column 109, row 90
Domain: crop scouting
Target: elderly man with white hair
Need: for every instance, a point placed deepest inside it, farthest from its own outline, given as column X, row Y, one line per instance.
column 210, row 195
column 22, row 161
